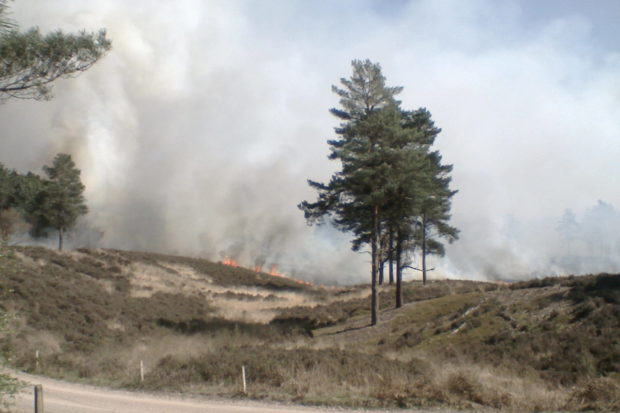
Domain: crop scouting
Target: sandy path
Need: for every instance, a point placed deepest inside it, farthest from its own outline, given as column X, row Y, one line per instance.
column 63, row 397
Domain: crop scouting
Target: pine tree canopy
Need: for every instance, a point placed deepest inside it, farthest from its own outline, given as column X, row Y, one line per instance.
column 392, row 192
column 64, row 199
column 30, row 61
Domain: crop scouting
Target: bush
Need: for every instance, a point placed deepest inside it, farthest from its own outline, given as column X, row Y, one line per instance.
column 9, row 386
column 596, row 394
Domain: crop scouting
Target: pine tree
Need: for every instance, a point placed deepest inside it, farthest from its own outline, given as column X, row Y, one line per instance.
column 355, row 196
column 6, row 202
column 30, row 62
column 431, row 212
column 6, row 188
column 62, row 200
column 389, row 182
column 435, row 211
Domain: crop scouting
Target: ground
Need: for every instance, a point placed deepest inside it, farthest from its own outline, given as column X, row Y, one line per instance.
column 93, row 315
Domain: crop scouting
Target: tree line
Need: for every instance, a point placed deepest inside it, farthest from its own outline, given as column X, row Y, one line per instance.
column 392, row 191
column 44, row 204
column 29, row 63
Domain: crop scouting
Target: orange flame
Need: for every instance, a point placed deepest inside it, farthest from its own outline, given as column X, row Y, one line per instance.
column 230, row 262
column 274, row 271
column 257, row 268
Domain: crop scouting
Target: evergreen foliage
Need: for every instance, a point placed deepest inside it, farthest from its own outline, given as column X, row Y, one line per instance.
column 30, row 61
column 8, row 215
column 5, row 22
column 43, row 204
column 62, row 200
column 392, row 192
column 6, row 188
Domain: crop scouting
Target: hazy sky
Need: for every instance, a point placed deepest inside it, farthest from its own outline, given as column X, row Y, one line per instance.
column 196, row 134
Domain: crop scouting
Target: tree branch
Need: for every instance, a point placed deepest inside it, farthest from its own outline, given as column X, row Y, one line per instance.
column 417, row 269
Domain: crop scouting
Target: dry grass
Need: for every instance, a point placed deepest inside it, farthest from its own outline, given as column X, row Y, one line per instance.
column 94, row 314
column 470, row 385
column 596, row 394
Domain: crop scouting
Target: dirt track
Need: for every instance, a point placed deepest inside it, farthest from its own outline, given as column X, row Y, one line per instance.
column 63, row 397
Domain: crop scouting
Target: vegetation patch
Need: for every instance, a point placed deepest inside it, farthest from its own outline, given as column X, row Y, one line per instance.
column 543, row 345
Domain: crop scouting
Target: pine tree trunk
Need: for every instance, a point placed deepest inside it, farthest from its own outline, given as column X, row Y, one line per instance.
column 391, row 257
column 423, row 250
column 60, row 238
column 374, row 301
column 399, row 275
column 381, row 253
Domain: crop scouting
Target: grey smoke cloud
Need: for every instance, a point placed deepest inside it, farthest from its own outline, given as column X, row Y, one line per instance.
column 196, row 134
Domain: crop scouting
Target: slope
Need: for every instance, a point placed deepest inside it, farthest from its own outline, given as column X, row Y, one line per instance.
column 95, row 315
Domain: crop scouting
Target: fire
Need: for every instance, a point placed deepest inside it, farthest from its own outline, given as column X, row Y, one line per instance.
column 273, row 271
column 230, row 262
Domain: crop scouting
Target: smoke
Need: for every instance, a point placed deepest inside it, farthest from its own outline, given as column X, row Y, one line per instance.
column 196, row 134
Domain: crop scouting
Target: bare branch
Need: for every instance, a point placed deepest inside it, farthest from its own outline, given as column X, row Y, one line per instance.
column 417, row 269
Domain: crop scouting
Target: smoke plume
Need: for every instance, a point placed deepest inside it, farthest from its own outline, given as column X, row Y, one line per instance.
column 196, row 134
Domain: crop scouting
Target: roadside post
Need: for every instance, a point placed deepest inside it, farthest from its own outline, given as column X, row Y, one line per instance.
column 141, row 371
column 38, row 399
column 243, row 379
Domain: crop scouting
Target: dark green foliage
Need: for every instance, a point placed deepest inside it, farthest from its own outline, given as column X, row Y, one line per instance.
column 391, row 191
column 356, row 196
column 30, row 61
column 605, row 286
column 5, row 22
column 583, row 288
column 28, row 198
column 6, row 188
column 8, row 215
column 61, row 201
column 44, row 204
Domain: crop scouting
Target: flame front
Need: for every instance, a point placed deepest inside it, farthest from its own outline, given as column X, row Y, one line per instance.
column 273, row 271
column 230, row 262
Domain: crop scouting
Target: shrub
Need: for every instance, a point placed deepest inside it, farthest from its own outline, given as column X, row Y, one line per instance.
column 596, row 394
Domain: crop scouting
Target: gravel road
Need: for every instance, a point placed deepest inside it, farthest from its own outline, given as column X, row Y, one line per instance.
column 63, row 397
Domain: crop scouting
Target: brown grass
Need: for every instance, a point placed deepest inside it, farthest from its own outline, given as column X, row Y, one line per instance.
column 93, row 315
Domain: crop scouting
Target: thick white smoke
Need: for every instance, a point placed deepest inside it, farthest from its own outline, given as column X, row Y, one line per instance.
column 196, row 134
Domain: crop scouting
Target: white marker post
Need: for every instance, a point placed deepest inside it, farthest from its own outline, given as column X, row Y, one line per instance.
column 243, row 379
column 141, row 371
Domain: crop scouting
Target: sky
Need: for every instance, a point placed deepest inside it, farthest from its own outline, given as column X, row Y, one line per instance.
column 196, row 134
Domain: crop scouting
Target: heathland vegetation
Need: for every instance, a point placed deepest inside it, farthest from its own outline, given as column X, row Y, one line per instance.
column 98, row 316
column 30, row 63
column 93, row 315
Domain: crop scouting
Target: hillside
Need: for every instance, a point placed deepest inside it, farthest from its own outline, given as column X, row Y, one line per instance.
column 93, row 315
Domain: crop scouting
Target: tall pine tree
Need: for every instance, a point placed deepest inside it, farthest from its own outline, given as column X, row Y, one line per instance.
column 355, row 196
column 389, row 181
column 62, row 199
